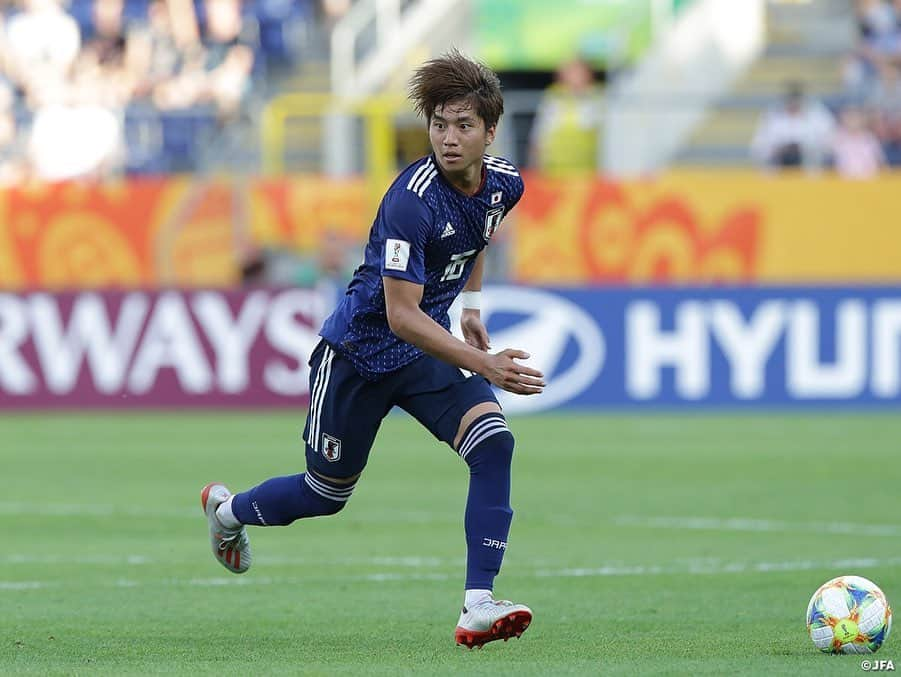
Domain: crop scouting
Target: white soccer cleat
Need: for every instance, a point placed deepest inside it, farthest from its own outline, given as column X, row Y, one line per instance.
column 491, row 619
column 230, row 546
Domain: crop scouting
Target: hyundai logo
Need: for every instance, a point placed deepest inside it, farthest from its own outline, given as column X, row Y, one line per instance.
column 564, row 342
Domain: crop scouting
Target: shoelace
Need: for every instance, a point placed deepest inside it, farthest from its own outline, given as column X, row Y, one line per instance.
column 230, row 542
column 490, row 602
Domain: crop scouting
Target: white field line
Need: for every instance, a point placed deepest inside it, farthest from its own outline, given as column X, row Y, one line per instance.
column 699, row 567
column 746, row 524
column 25, row 509
column 143, row 560
column 22, row 585
column 750, row 524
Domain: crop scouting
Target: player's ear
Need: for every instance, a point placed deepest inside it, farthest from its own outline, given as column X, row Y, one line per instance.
column 489, row 135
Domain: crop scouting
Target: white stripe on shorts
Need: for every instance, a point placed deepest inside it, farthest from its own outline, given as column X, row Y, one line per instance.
column 322, row 376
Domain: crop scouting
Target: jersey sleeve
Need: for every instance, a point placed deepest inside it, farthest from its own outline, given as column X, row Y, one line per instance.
column 406, row 226
column 515, row 194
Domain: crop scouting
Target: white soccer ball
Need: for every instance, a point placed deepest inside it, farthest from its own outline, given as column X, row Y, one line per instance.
column 849, row 614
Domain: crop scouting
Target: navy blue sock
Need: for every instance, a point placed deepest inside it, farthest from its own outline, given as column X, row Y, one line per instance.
column 487, row 447
column 282, row 500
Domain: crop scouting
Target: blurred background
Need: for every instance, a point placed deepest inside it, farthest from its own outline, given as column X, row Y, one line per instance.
column 706, row 265
column 711, row 213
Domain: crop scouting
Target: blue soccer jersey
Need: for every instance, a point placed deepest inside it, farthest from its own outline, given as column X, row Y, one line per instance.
column 427, row 232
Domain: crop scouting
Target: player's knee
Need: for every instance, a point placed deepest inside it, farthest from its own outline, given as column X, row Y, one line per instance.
column 332, row 507
column 487, row 442
column 331, row 495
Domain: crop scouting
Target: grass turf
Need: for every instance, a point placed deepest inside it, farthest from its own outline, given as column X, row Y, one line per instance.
column 655, row 545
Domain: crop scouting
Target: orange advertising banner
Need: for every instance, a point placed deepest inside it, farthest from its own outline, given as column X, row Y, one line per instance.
column 169, row 231
column 705, row 226
column 685, row 227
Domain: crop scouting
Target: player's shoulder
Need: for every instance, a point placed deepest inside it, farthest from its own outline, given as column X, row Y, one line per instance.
column 500, row 165
column 417, row 177
column 504, row 175
column 407, row 193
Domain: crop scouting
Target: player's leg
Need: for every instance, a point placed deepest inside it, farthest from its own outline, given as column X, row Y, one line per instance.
column 485, row 442
column 337, row 449
column 475, row 427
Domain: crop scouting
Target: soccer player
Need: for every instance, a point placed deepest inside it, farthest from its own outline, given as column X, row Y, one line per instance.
column 388, row 343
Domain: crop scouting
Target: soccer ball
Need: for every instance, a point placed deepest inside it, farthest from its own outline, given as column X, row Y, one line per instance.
column 848, row 614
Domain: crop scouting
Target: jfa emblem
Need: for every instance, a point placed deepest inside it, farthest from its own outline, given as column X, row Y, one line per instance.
column 497, row 197
column 492, row 221
column 331, row 448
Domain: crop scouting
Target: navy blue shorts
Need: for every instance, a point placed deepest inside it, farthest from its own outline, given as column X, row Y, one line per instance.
column 346, row 410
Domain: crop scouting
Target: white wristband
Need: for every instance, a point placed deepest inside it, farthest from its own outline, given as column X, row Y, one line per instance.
column 472, row 300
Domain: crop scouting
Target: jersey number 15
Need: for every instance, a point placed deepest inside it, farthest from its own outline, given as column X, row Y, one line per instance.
column 454, row 269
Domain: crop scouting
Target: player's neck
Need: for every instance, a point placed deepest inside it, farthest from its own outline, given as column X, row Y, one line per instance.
column 469, row 181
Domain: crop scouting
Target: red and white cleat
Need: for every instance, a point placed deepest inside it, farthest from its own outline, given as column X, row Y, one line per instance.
column 231, row 547
column 490, row 620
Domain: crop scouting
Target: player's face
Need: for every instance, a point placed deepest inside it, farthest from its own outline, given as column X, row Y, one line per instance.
column 459, row 138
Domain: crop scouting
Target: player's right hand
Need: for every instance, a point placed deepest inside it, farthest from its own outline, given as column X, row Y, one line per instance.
column 511, row 376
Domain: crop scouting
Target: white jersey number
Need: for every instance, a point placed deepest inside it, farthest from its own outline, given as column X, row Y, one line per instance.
column 454, row 269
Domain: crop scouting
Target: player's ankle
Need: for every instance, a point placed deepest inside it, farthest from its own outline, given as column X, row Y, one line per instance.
column 225, row 515
column 475, row 595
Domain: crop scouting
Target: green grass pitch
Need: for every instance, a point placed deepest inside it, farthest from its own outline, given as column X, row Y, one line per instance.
column 644, row 544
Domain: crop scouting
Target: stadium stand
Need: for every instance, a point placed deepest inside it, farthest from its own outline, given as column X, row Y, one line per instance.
column 805, row 43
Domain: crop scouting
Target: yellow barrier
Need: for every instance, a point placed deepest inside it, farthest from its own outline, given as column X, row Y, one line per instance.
column 378, row 113
column 702, row 226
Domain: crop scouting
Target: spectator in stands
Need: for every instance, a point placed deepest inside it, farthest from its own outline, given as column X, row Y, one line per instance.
column 331, row 12
column 107, row 44
column 106, row 57
column 10, row 161
column 856, row 151
column 79, row 136
column 886, row 103
column 229, row 45
column 879, row 26
column 797, row 133
column 152, row 50
column 216, row 71
column 42, row 43
column 568, row 121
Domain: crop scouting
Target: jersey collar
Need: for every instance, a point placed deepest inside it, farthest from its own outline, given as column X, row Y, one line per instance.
column 482, row 183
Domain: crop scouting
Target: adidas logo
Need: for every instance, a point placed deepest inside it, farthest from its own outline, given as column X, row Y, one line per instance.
column 448, row 231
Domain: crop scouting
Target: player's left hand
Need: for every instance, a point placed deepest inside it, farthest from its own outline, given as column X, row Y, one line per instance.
column 474, row 332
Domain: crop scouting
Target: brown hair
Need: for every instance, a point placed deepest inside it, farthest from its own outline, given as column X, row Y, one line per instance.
column 452, row 77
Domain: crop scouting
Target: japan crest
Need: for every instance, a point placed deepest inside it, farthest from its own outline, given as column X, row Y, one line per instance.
column 331, row 448
column 492, row 221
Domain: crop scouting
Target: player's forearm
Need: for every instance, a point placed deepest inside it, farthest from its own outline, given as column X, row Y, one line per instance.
column 474, row 282
column 420, row 330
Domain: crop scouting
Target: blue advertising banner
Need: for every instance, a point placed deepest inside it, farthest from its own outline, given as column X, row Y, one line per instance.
column 763, row 347
column 682, row 348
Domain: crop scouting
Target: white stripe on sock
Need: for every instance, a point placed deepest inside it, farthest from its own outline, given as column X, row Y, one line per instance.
column 316, row 483
column 490, row 432
column 476, row 429
column 341, row 495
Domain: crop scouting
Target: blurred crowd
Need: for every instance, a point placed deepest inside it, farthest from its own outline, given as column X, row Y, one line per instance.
column 90, row 88
column 860, row 133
